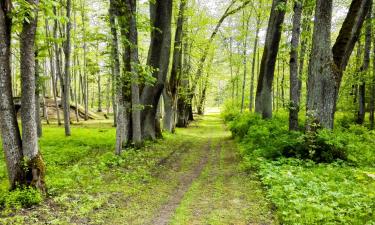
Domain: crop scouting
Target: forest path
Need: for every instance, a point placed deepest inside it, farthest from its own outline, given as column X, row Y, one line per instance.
column 215, row 191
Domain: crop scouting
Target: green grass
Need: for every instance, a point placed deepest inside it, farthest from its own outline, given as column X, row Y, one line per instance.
column 86, row 180
column 88, row 184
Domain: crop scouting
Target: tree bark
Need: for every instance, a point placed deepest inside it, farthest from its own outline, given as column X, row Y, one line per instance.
column 255, row 50
column 170, row 93
column 115, row 66
column 158, row 58
column 364, row 69
column 66, row 80
column 35, row 165
column 245, row 25
column 325, row 73
column 372, row 88
column 295, row 88
column 263, row 101
column 134, row 64
column 37, row 97
column 10, row 134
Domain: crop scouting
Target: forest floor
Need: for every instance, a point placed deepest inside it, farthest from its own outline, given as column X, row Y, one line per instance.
column 191, row 177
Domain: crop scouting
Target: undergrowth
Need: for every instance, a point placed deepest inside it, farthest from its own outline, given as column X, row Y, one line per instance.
column 328, row 178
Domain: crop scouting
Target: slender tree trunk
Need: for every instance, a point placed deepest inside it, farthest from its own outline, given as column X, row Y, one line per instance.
column 293, row 64
column 263, row 102
column 115, row 69
column 134, row 61
column 66, row 80
column 75, row 64
column 10, row 134
column 372, row 88
column 255, row 50
column 35, row 165
column 85, row 84
column 53, row 75
column 245, row 25
column 37, row 97
column 364, row 68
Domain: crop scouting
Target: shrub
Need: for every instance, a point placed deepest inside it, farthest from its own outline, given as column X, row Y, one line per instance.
column 20, row 197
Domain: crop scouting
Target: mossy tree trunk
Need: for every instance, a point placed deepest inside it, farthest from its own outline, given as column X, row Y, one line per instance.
column 35, row 165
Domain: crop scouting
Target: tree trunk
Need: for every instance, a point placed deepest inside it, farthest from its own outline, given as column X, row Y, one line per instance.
column 66, row 80
column 37, row 97
column 85, row 85
column 325, row 73
column 372, row 89
column 134, row 62
column 245, row 25
column 10, row 134
column 158, row 58
column 170, row 93
column 263, row 101
column 116, row 64
column 35, row 165
column 295, row 89
column 255, row 50
column 364, row 69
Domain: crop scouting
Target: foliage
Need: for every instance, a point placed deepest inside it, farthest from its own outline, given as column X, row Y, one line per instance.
column 21, row 197
column 304, row 191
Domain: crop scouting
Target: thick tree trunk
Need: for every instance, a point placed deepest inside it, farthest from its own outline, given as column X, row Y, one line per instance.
column 263, row 101
column 158, row 58
column 325, row 74
column 321, row 92
column 10, row 134
column 255, row 50
column 170, row 93
column 35, row 165
column 295, row 80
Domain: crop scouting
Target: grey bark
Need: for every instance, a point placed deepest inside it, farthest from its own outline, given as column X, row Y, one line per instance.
column 263, row 101
column 10, row 134
column 325, row 74
column 115, row 67
column 170, row 93
column 66, row 80
column 255, row 50
column 35, row 171
column 295, row 82
column 364, row 68
column 37, row 97
column 245, row 25
column 134, row 62
column 158, row 58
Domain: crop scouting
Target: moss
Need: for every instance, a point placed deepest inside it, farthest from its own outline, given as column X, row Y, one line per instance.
column 35, row 173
